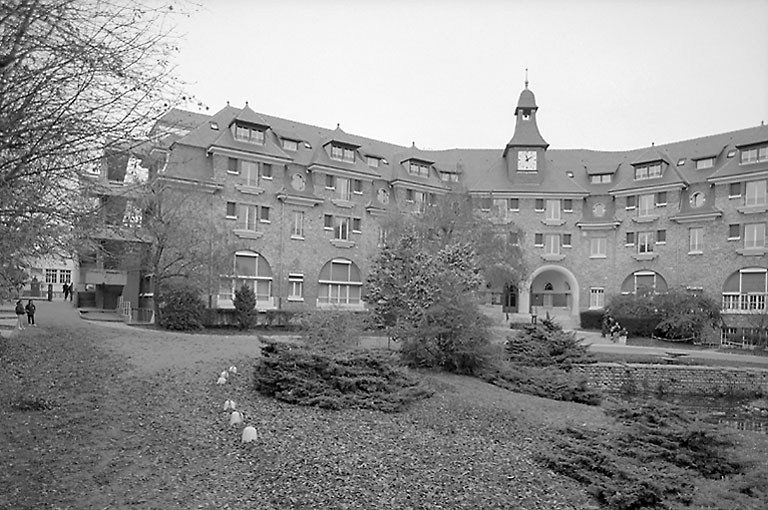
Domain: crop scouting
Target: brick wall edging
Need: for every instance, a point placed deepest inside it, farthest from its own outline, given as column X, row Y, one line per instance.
column 675, row 379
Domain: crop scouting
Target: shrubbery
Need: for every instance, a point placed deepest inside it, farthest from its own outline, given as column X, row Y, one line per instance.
column 359, row 380
column 245, row 306
column 181, row 308
column 541, row 345
column 652, row 459
column 329, row 330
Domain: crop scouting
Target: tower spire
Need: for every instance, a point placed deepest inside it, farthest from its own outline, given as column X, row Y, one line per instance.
column 526, row 77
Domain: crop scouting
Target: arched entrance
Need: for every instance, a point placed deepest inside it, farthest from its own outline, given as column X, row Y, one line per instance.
column 550, row 289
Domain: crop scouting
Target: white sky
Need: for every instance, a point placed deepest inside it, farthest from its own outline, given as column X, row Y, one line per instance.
column 607, row 75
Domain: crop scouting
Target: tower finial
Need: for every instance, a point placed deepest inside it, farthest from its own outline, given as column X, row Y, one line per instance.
column 526, row 77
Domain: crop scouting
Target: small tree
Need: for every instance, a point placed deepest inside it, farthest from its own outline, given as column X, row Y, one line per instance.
column 245, row 306
column 180, row 308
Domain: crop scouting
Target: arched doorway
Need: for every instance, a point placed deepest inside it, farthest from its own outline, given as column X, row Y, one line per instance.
column 550, row 289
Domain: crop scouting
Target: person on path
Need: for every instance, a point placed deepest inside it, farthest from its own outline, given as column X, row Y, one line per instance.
column 20, row 315
column 30, row 309
column 71, row 291
column 65, row 289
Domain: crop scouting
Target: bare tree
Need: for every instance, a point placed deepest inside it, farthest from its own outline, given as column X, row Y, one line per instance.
column 77, row 77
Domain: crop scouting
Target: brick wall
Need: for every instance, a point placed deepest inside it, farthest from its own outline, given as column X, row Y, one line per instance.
column 676, row 379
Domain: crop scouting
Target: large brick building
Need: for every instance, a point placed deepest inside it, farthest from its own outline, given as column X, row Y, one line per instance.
column 302, row 204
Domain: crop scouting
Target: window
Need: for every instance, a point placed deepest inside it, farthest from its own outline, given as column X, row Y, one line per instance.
column 340, row 153
column 372, row 162
column 538, row 239
column 568, row 205
column 745, row 290
column 231, row 210
column 553, row 209
column 631, row 201
column 645, row 242
column 341, row 228
column 539, row 204
column 328, row 222
column 500, row 206
column 661, row 237
column 681, row 162
column 600, row 178
column 734, row 231
column 297, row 229
column 630, row 239
column 449, row 177
column 567, row 240
column 598, row 247
column 596, row 297
column 330, row 182
column 339, row 283
column 644, row 282
column 514, row 204
column 703, row 164
column 754, row 235
column 755, row 193
column 248, row 217
column 695, row 240
column 232, row 166
column 264, row 214
column 290, row 145
column 249, row 134
column 356, row 225
column 249, row 170
column 418, row 168
column 65, row 275
column 295, row 287
column 357, row 186
column 646, row 206
column 266, row 170
column 734, row 190
column 552, row 244
column 661, row 198
column 754, row 154
column 514, row 238
column 344, row 188
column 651, row 171
column 251, row 270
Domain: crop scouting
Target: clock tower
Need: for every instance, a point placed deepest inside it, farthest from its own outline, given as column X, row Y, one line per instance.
column 524, row 154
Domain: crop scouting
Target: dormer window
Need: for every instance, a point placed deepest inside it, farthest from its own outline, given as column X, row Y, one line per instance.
column 754, row 154
column 249, row 134
column 372, row 161
column 681, row 162
column 418, row 168
column 290, row 145
column 649, row 171
column 449, row 177
column 214, row 125
column 340, row 153
column 600, row 178
column 703, row 164
column 526, row 114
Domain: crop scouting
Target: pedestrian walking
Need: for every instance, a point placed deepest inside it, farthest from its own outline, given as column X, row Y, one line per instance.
column 20, row 315
column 71, row 291
column 30, row 309
column 65, row 290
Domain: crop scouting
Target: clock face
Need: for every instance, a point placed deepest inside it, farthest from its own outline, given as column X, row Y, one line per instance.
column 598, row 209
column 697, row 199
column 526, row 160
column 298, row 182
column 383, row 196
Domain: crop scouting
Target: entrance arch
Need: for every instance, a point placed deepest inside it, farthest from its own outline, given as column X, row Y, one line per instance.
column 552, row 289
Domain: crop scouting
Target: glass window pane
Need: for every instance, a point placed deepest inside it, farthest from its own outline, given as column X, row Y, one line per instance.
column 245, row 265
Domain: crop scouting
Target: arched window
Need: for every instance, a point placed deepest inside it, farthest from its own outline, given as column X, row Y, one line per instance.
column 644, row 282
column 548, row 286
column 340, row 284
column 250, row 269
column 745, row 289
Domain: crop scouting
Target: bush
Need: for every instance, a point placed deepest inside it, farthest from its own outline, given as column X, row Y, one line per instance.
column 180, row 308
column 591, row 319
column 541, row 346
column 653, row 459
column 453, row 334
column 358, row 380
column 331, row 330
column 547, row 382
column 245, row 306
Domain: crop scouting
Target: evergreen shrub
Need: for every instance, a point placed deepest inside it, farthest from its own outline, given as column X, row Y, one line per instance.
column 245, row 306
column 180, row 308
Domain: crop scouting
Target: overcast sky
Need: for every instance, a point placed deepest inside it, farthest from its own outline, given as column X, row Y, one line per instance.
column 607, row 75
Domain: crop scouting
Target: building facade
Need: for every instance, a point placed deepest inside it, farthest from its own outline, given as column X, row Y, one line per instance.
column 301, row 205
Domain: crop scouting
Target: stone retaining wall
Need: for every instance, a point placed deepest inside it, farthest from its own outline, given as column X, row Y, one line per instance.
column 675, row 379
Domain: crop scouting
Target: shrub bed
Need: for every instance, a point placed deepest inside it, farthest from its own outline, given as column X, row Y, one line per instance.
column 591, row 319
column 656, row 455
column 356, row 379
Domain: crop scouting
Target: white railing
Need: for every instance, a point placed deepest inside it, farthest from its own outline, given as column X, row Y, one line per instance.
column 124, row 309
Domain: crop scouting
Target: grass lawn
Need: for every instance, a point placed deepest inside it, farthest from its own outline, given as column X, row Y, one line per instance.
column 93, row 416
